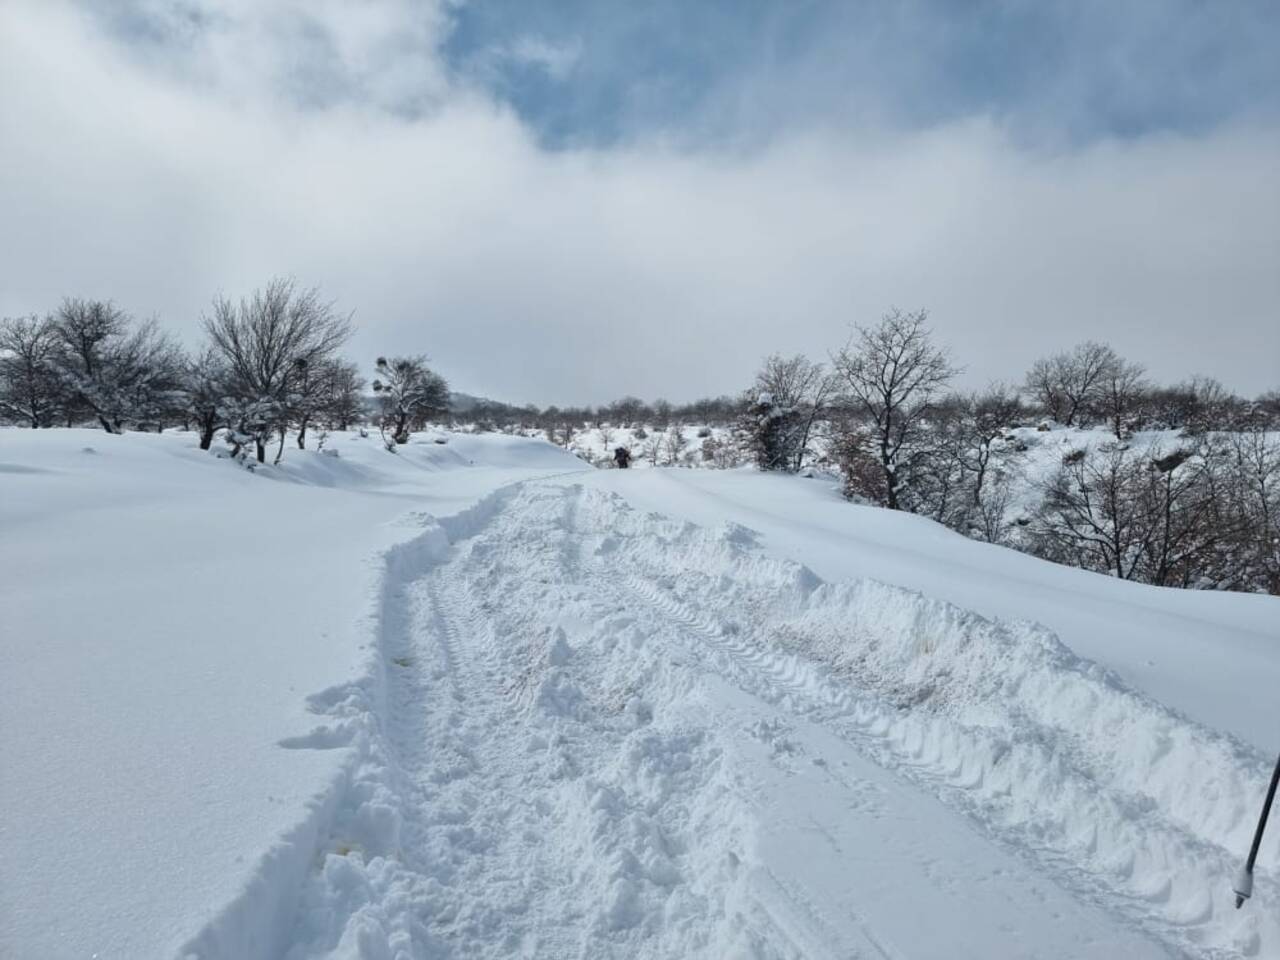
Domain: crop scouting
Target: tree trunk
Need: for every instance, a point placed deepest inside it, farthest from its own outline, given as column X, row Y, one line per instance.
column 891, row 487
column 981, row 475
column 302, row 434
column 804, row 440
column 206, row 436
column 262, row 449
column 890, row 475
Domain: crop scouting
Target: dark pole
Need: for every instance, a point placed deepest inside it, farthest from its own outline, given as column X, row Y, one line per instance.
column 1244, row 881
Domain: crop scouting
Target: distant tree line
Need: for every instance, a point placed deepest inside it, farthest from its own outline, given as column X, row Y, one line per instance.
column 1199, row 511
column 269, row 368
column 561, row 423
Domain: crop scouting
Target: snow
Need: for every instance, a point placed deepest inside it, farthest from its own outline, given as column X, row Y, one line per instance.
column 165, row 617
column 476, row 699
column 1214, row 656
column 649, row 445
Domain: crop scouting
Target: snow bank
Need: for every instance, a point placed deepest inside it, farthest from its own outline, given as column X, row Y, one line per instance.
column 1047, row 749
column 1210, row 655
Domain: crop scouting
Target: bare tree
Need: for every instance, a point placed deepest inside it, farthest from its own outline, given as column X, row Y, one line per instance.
column 409, row 392
column 88, row 332
column 628, row 410
column 119, row 372
column 206, row 389
column 990, row 414
column 30, row 389
column 1068, row 385
column 1092, row 515
column 853, row 450
column 936, row 473
column 652, row 448
column 269, row 342
column 891, row 374
column 1253, row 500
column 1268, row 404
column 1210, row 406
column 158, row 396
column 673, row 443
column 1181, row 517
column 1122, row 387
column 329, row 392
column 1043, row 386
column 343, row 403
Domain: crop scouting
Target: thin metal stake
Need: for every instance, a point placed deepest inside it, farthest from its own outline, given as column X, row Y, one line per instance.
column 1243, row 886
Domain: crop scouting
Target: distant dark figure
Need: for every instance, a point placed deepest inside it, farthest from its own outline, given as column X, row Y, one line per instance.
column 622, row 457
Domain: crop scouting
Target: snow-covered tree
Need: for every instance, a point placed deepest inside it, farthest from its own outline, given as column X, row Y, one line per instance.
column 891, row 375
column 771, row 429
column 800, row 391
column 328, row 392
column 270, row 343
column 118, row 372
column 343, row 401
column 31, row 392
column 409, row 393
column 205, row 395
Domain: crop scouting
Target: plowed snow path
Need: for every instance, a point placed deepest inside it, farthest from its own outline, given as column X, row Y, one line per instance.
column 603, row 736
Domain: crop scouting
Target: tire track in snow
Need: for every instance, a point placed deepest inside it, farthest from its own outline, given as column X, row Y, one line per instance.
column 554, row 781
column 542, row 810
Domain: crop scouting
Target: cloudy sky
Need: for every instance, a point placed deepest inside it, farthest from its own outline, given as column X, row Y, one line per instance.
column 566, row 200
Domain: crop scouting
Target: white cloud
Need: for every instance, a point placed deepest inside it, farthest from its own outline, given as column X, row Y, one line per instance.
column 579, row 275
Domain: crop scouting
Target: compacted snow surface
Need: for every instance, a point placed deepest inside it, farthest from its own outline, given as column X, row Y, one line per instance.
column 475, row 701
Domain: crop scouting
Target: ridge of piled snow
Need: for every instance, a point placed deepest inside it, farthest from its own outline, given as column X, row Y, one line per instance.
column 1125, row 796
column 1211, row 655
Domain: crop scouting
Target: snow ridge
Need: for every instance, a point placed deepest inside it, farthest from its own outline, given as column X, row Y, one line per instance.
column 1123, row 798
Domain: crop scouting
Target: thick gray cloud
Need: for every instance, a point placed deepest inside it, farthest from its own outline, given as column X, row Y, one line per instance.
column 574, row 275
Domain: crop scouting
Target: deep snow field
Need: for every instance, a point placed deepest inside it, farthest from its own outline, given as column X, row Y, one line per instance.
column 478, row 699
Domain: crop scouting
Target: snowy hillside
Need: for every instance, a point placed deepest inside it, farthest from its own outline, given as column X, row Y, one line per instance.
column 478, row 699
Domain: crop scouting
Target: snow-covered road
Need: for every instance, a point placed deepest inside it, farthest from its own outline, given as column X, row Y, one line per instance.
column 608, row 733
column 477, row 700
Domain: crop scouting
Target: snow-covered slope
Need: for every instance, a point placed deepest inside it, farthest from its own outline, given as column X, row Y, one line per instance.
column 165, row 617
column 474, row 701
column 1214, row 656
